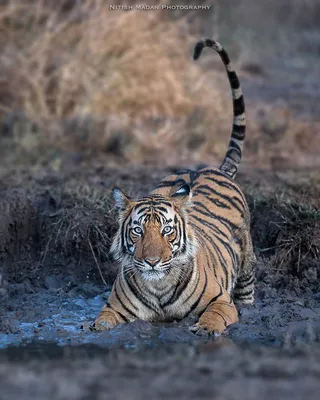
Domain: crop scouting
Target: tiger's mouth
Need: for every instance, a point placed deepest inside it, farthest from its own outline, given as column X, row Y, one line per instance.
column 152, row 273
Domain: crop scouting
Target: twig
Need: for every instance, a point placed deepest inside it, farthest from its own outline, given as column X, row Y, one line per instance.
column 97, row 264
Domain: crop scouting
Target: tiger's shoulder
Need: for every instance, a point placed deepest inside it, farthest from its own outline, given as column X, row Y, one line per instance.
column 195, row 178
column 212, row 190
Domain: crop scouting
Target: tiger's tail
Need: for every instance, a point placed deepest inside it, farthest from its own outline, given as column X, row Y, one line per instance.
column 233, row 156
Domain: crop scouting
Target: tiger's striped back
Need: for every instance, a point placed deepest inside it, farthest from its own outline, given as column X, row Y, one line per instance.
column 220, row 219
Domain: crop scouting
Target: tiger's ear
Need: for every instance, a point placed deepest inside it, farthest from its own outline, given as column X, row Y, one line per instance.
column 182, row 197
column 121, row 201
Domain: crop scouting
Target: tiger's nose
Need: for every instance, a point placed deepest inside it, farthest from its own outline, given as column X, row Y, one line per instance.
column 152, row 261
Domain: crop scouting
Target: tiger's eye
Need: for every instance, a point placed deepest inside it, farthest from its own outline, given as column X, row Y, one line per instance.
column 167, row 230
column 137, row 230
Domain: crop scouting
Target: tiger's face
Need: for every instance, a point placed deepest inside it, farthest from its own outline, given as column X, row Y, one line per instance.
column 153, row 233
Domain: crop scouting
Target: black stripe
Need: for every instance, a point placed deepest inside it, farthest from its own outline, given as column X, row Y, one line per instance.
column 184, row 234
column 230, row 252
column 124, row 234
column 135, row 290
column 216, row 202
column 243, row 284
column 224, row 57
column 198, row 50
column 227, row 184
column 142, row 209
column 163, row 209
column 208, row 224
column 125, row 295
column 233, row 152
column 195, row 304
column 233, row 79
column 223, row 317
column 238, row 131
column 238, row 106
column 160, row 213
column 213, row 300
column 218, row 194
column 171, row 183
column 225, row 181
column 122, row 304
column 210, row 262
column 224, row 221
column 245, row 294
column 235, row 145
column 221, row 259
column 233, row 155
column 178, row 237
column 193, row 176
column 157, row 203
column 233, row 256
column 183, row 172
column 123, row 317
column 179, row 289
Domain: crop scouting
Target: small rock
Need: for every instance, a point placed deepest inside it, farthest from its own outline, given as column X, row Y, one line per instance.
column 9, row 325
column 28, row 286
column 17, row 289
column 311, row 274
column 89, row 290
column 52, row 282
column 3, row 294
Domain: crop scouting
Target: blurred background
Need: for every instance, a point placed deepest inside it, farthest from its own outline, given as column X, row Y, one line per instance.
column 82, row 83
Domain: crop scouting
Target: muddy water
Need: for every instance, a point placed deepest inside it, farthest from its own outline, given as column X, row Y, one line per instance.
column 57, row 316
column 273, row 352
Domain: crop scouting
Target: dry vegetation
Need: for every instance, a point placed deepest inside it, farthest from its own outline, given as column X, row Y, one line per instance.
column 89, row 77
column 76, row 76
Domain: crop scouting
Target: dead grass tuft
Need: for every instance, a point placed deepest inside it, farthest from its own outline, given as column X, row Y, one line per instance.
column 299, row 239
column 82, row 229
column 286, row 232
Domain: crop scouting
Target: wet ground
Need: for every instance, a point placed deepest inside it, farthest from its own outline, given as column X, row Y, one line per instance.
column 278, row 319
column 274, row 350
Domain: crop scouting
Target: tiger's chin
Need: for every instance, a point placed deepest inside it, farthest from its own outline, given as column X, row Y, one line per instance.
column 152, row 275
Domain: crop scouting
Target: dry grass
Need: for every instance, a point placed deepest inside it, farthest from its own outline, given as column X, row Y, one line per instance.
column 79, row 77
column 286, row 231
column 84, row 226
column 127, row 73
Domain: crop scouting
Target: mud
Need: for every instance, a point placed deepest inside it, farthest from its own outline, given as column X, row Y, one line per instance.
column 56, row 274
column 278, row 318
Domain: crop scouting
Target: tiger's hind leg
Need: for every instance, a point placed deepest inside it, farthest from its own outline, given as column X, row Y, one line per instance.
column 243, row 291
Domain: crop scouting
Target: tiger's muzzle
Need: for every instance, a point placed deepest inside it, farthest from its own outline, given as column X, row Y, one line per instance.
column 153, row 265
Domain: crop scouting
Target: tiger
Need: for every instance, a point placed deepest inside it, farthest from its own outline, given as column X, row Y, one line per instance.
column 185, row 249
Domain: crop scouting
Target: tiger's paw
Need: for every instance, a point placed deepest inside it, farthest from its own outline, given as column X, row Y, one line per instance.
column 201, row 329
column 101, row 325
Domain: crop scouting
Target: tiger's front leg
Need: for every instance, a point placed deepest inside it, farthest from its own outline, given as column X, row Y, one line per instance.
column 217, row 316
column 107, row 319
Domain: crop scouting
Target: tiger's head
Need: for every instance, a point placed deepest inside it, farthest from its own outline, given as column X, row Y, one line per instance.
column 154, row 234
